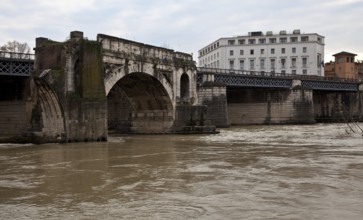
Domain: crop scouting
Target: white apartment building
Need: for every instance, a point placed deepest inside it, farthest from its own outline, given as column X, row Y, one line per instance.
column 284, row 53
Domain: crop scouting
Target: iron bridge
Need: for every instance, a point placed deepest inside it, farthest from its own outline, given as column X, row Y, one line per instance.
column 16, row 64
column 258, row 79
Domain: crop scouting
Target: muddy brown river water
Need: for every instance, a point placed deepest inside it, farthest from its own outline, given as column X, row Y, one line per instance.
column 251, row 172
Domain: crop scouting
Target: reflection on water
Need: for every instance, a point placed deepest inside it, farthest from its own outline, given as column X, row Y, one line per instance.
column 252, row 172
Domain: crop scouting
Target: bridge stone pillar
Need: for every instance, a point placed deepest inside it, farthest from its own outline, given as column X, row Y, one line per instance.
column 339, row 106
column 72, row 72
column 300, row 104
column 214, row 96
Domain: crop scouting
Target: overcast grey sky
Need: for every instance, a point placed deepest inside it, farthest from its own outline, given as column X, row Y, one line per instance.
column 184, row 25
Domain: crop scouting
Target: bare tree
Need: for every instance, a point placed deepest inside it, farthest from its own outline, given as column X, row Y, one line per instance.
column 16, row 47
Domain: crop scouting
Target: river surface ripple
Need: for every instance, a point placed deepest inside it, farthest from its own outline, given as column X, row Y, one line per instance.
column 250, row 172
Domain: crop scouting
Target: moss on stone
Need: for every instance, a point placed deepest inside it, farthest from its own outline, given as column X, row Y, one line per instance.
column 91, row 71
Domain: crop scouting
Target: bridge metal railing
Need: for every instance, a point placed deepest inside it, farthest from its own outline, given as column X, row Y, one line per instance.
column 275, row 75
column 16, row 64
column 18, row 56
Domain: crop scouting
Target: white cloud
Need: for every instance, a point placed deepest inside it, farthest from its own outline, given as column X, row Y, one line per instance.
column 184, row 25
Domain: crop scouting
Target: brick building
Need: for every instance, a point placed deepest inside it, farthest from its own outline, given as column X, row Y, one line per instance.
column 344, row 66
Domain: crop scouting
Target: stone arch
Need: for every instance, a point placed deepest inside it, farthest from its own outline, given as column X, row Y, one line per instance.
column 47, row 115
column 114, row 72
column 184, row 88
column 139, row 103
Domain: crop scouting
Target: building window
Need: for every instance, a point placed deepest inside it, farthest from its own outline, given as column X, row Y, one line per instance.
column 272, row 40
column 293, row 62
column 283, row 63
column 231, row 64
column 242, row 64
column 262, row 41
column 318, row 60
column 283, row 40
column 241, row 41
column 262, row 51
column 251, row 52
column 293, row 72
column 293, row 39
column 251, row 41
column 283, row 72
column 305, row 39
column 304, row 50
column 241, row 52
column 272, row 61
column 252, row 64
column 282, row 50
column 262, row 64
column 294, row 50
column 304, row 62
column 272, row 51
column 305, row 71
column 230, row 42
column 231, row 52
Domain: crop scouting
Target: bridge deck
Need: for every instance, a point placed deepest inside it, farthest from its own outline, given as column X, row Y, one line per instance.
column 260, row 79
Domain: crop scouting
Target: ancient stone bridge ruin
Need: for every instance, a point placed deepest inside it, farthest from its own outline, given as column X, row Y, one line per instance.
column 82, row 89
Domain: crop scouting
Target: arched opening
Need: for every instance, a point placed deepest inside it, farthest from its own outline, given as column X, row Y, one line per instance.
column 47, row 115
column 119, row 110
column 139, row 103
column 184, row 88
